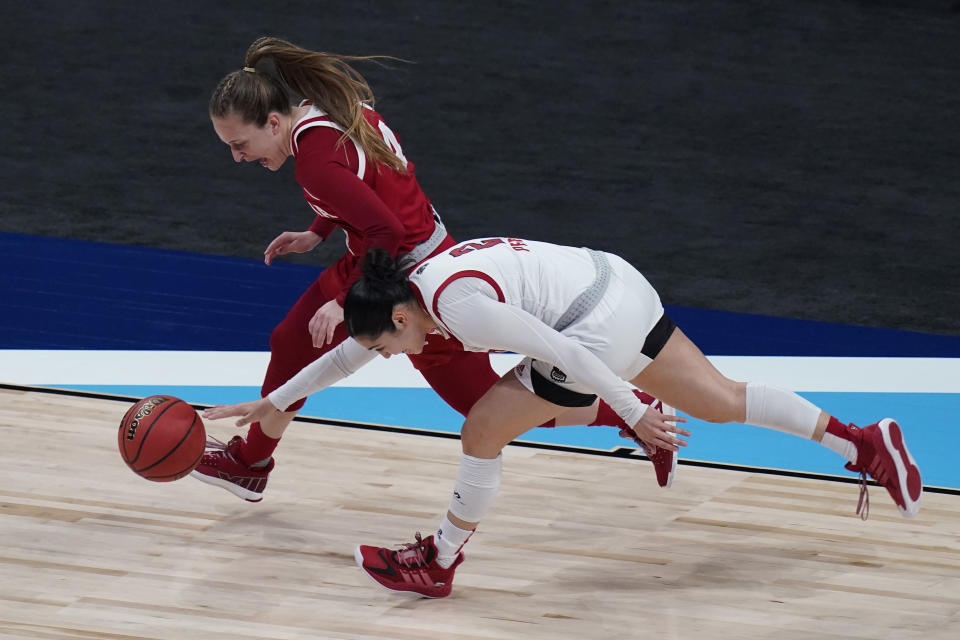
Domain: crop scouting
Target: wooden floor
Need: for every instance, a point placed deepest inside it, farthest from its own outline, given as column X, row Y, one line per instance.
column 577, row 546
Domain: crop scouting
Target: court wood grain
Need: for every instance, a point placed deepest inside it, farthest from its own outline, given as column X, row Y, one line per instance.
column 577, row 546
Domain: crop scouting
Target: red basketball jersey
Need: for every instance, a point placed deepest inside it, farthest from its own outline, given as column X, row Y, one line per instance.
column 375, row 205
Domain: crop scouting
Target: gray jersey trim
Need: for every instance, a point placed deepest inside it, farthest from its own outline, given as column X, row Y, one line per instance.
column 587, row 300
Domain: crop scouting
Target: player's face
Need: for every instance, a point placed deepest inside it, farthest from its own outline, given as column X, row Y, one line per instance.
column 408, row 338
column 248, row 142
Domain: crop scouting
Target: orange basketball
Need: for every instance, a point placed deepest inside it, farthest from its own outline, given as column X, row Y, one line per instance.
column 161, row 438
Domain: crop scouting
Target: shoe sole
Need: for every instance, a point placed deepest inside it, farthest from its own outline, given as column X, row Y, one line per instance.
column 358, row 558
column 667, row 410
column 908, row 473
column 240, row 492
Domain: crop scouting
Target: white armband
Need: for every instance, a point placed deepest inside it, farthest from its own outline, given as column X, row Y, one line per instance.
column 335, row 365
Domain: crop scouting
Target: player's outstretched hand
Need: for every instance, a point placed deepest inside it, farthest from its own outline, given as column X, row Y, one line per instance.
column 290, row 242
column 658, row 429
column 324, row 322
column 248, row 411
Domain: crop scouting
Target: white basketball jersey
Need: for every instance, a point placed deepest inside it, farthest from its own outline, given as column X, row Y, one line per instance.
column 508, row 294
column 542, row 279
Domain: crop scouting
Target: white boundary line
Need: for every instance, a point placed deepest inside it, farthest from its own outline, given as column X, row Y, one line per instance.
column 240, row 368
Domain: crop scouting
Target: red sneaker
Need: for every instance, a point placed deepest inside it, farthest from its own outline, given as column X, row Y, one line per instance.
column 664, row 461
column 413, row 568
column 882, row 453
column 221, row 466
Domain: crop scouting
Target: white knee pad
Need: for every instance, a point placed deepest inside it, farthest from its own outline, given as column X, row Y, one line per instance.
column 780, row 409
column 478, row 481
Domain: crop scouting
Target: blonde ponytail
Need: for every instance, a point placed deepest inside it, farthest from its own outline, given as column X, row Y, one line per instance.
column 328, row 81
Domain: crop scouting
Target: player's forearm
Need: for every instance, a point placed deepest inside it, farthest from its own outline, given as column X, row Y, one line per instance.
column 335, row 365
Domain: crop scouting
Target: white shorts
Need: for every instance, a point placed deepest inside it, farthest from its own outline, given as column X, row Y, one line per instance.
column 615, row 330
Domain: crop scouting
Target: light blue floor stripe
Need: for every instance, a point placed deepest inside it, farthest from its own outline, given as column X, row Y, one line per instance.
column 928, row 419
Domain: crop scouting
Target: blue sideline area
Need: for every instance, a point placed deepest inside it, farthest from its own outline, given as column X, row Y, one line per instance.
column 741, row 445
column 63, row 294
column 66, row 294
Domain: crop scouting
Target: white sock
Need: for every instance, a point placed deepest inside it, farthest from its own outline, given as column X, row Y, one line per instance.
column 478, row 481
column 839, row 437
column 449, row 540
column 782, row 410
column 846, row 448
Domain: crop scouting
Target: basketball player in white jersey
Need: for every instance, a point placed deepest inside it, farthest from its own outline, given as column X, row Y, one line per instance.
column 589, row 323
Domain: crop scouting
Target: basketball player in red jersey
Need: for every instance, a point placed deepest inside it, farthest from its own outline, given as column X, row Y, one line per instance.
column 354, row 175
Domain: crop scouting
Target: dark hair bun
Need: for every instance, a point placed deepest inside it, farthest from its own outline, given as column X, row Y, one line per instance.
column 380, row 267
column 368, row 307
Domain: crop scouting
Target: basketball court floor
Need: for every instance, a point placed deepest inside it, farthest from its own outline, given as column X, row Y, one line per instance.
column 757, row 538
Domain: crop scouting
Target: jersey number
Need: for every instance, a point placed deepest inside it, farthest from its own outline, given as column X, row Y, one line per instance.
column 470, row 246
column 392, row 142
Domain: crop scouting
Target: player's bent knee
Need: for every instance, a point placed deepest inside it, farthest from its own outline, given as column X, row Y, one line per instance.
column 479, row 438
column 471, row 439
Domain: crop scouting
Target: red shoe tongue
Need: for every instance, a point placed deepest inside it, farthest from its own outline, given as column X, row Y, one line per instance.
column 429, row 553
column 413, row 556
